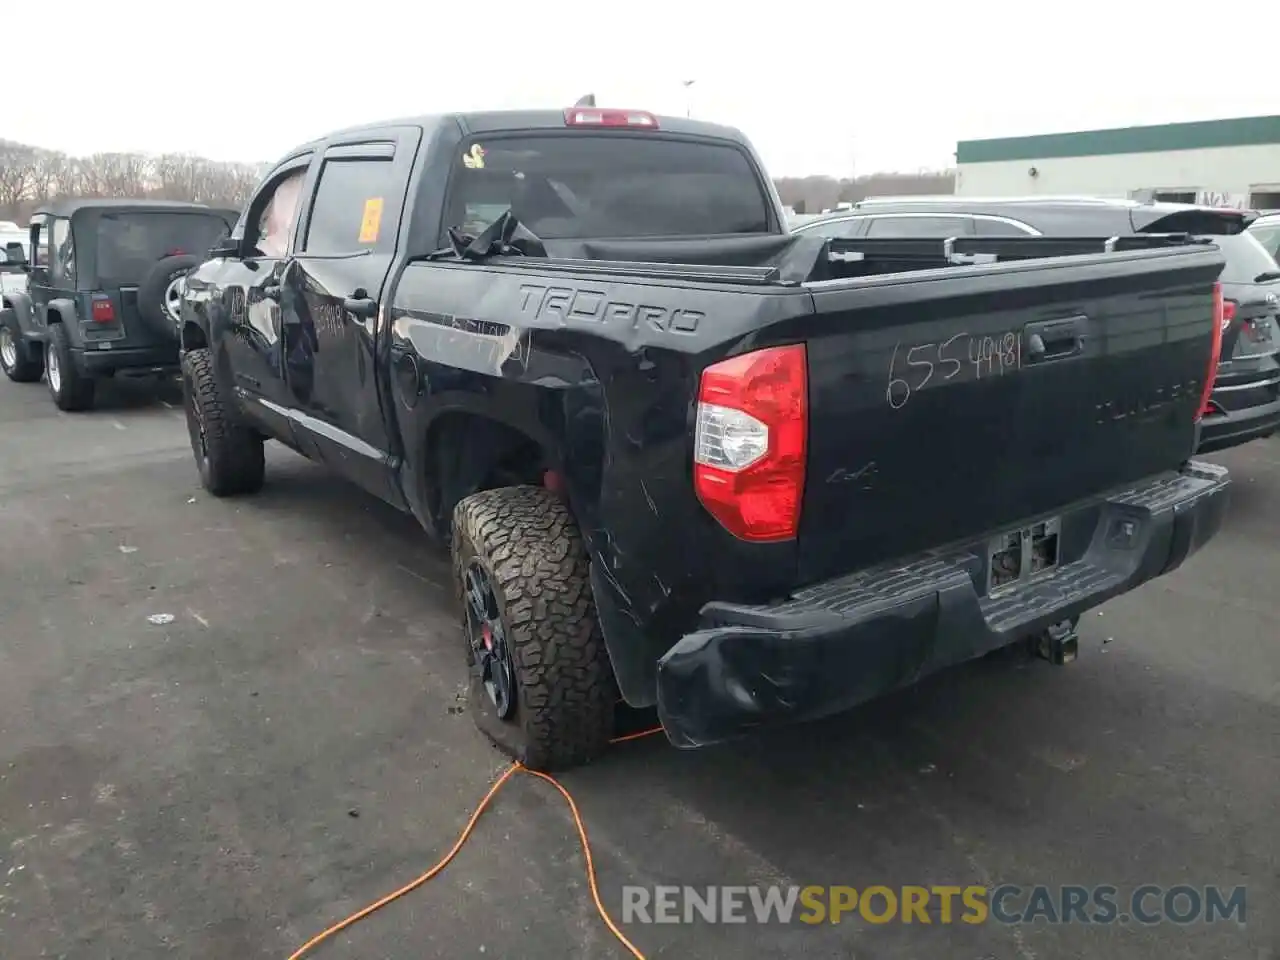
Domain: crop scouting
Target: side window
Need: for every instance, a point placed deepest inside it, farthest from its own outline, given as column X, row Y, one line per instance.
column 939, row 227
column 1269, row 237
column 347, row 214
column 271, row 223
column 39, row 242
column 63, row 261
column 1000, row 228
column 833, row 229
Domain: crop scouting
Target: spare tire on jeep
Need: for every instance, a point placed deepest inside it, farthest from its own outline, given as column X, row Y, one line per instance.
column 160, row 294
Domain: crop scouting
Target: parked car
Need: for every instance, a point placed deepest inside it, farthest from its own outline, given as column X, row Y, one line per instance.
column 1246, row 401
column 681, row 454
column 102, row 292
column 13, row 258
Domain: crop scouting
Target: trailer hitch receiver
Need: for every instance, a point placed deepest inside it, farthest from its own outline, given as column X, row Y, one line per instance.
column 1059, row 643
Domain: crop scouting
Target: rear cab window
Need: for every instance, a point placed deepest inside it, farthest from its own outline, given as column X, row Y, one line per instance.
column 580, row 185
column 130, row 242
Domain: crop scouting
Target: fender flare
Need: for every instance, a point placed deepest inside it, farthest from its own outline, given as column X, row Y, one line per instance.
column 20, row 304
column 66, row 310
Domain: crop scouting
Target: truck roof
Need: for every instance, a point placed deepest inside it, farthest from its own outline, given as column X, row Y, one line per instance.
column 489, row 121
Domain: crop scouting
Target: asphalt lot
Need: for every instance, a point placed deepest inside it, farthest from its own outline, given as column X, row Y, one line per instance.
column 289, row 747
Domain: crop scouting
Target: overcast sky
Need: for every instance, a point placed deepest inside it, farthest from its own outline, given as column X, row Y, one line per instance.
column 856, row 87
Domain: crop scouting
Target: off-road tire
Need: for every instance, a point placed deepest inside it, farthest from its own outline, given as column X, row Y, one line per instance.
column 75, row 389
column 28, row 365
column 531, row 548
column 228, row 454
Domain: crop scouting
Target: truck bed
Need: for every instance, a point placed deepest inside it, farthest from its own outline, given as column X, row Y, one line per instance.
column 947, row 401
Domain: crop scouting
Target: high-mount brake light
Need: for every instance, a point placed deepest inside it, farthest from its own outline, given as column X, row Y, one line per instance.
column 750, row 440
column 607, row 117
column 1215, row 351
column 101, row 309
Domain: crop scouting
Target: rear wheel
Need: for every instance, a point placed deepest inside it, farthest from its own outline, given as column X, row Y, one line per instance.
column 229, row 455
column 71, row 389
column 541, row 686
column 20, row 362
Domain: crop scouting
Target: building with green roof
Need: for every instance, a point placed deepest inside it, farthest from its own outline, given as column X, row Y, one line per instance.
column 1234, row 162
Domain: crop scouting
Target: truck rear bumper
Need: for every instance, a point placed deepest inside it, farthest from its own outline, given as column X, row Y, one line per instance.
column 840, row 643
column 131, row 360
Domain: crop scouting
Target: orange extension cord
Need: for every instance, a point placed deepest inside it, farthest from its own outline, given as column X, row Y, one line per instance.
column 462, row 839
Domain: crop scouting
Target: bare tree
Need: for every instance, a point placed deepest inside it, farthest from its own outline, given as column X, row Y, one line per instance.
column 53, row 175
column 30, row 176
column 16, row 163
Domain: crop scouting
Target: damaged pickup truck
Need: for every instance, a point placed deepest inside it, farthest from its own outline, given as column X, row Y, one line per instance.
column 682, row 456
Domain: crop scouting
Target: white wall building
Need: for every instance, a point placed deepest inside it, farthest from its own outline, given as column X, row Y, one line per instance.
column 1233, row 163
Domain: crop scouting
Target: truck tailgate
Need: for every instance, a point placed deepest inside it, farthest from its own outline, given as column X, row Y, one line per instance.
column 945, row 406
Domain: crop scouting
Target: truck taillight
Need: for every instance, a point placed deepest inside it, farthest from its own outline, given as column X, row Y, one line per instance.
column 1220, row 320
column 749, row 442
column 101, row 309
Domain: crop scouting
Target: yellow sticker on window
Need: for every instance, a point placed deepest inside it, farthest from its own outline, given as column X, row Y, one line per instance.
column 473, row 159
column 371, row 223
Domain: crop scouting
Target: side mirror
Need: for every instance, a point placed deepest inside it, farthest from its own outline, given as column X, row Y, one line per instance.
column 227, row 247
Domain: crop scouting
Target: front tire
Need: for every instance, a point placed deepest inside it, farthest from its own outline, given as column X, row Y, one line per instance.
column 20, row 362
column 542, row 687
column 71, row 389
column 229, row 455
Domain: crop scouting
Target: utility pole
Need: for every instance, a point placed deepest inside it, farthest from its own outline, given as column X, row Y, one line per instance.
column 688, row 98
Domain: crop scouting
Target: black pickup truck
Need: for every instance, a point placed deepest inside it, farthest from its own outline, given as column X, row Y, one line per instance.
column 683, row 456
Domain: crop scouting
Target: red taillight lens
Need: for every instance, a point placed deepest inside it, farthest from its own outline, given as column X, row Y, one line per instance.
column 1220, row 322
column 749, row 442
column 595, row 117
column 101, row 309
column 1228, row 313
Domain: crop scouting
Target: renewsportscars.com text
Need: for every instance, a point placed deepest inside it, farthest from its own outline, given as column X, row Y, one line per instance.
column 1007, row 903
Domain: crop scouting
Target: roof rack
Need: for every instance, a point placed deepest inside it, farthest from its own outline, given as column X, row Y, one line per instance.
column 958, row 198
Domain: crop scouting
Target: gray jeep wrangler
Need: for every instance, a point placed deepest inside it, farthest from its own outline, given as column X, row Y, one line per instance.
column 104, row 282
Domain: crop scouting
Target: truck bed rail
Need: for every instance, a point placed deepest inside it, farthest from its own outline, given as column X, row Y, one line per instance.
column 912, row 253
column 809, row 259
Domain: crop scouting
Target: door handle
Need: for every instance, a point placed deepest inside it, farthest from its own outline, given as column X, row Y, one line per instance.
column 1055, row 339
column 363, row 307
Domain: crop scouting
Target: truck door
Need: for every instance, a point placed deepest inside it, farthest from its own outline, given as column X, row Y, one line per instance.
column 332, row 291
column 242, row 297
column 38, row 278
